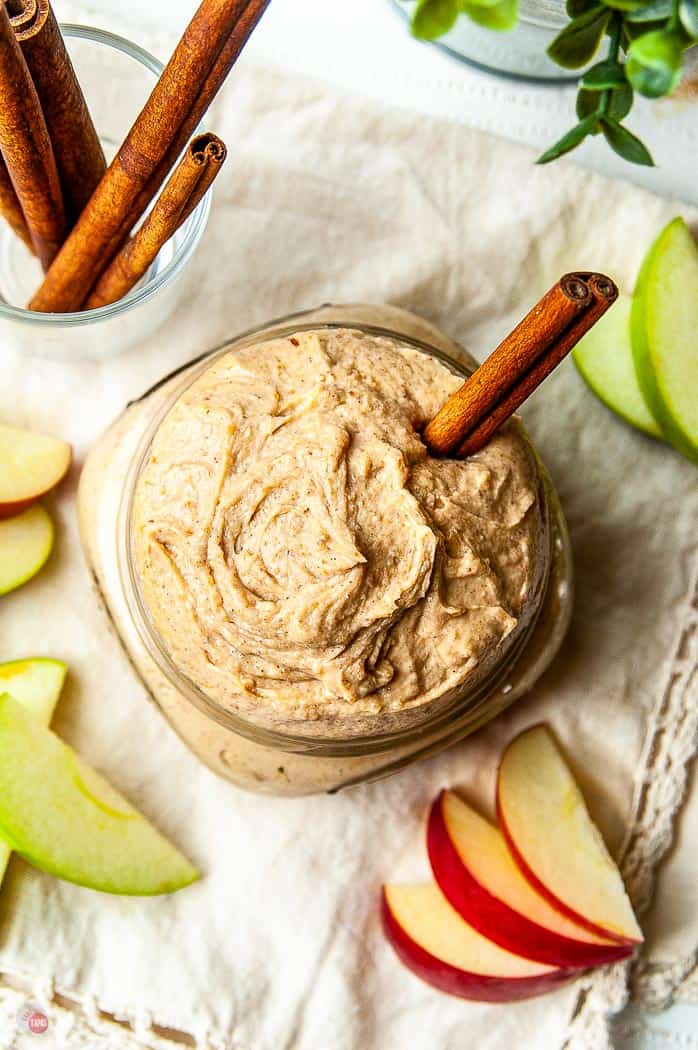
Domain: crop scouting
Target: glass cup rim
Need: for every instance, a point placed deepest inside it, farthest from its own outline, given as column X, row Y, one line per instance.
column 194, row 226
column 463, row 701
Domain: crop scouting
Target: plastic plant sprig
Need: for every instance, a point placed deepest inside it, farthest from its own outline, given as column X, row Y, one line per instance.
column 646, row 43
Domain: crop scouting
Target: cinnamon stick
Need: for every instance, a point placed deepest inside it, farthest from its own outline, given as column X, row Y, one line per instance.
column 76, row 146
column 209, row 47
column 21, row 12
column 26, row 148
column 250, row 15
column 472, row 415
column 182, row 193
column 11, row 209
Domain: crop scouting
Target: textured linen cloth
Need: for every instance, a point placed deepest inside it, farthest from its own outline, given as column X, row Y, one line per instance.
column 329, row 198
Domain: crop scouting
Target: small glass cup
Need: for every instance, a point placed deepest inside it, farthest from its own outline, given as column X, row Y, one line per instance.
column 116, row 76
column 518, row 53
column 303, row 758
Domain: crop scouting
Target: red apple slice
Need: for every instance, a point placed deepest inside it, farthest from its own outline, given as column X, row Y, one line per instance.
column 477, row 874
column 554, row 841
column 30, row 465
column 440, row 947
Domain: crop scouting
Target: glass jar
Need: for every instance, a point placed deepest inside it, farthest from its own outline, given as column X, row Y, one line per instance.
column 293, row 761
column 518, row 53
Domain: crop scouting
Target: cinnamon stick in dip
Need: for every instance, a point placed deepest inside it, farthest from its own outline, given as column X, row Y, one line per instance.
column 472, row 415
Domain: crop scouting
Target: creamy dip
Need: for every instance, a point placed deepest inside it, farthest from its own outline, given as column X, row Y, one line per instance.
column 304, row 558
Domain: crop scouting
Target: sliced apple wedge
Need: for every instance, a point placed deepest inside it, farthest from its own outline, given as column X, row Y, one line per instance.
column 477, row 874
column 554, row 841
column 30, row 465
column 63, row 817
column 25, row 544
column 438, row 945
column 664, row 326
column 604, row 359
column 36, row 683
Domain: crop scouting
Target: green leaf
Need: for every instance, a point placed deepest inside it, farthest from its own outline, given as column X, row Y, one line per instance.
column 654, row 63
column 466, row 5
column 621, row 102
column 632, row 30
column 579, row 41
column 688, row 14
column 588, row 103
column 655, row 11
column 575, row 8
column 433, row 18
column 606, row 74
column 501, row 17
column 571, row 140
column 624, row 5
column 625, row 144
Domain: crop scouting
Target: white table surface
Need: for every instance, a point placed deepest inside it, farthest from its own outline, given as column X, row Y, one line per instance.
column 363, row 45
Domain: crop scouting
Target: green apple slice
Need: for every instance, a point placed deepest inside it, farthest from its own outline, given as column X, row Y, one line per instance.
column 36, row 683
column 664, row 329
column 25, row 543
column 63, row 817
column 604, row 358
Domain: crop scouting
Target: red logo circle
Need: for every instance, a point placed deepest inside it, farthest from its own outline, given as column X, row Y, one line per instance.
column 37, row 1023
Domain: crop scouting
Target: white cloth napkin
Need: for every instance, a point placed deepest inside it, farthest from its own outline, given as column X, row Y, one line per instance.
column 327, row 197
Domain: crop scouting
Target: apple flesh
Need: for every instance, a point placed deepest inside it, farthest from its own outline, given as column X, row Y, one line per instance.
column 664, row 328
column 36, row 684
column 554, row 841
column 63, row 817
column 30, row 465
column 604, row 359
column 25, row 544
column 433, row 941
column 478, row 876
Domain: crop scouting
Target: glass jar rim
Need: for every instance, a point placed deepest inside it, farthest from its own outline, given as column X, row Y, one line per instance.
column 464, row 698
column 194, row 226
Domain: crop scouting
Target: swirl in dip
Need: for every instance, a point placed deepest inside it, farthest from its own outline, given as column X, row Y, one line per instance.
column 302, row 556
